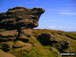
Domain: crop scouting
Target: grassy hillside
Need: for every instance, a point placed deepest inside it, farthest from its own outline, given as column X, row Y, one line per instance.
column 40, row 50
column 60, row 36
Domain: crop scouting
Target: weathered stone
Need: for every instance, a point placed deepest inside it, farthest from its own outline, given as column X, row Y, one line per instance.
column 16, row 26
column 19, row 44
column 6, row 46
column 64, row 45
column 25, row 34
column 8, row 35
column 47, row 39
column 20, row 17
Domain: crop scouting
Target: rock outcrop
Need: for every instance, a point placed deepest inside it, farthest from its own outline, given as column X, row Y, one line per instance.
column 63, row 45
column 47, row 39
column 16, row 27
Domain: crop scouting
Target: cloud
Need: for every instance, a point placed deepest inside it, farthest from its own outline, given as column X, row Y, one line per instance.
column 67, row 12
column 59, row 28
column 52, row 27
column 71, row 12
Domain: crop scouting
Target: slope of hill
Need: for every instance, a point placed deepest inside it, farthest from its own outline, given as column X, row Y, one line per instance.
column 19, row 39
column 40, row 50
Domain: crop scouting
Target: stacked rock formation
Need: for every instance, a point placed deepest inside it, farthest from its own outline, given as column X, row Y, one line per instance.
column 16, row 27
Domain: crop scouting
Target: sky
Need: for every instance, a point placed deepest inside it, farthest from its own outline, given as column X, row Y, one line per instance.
column 59, row 14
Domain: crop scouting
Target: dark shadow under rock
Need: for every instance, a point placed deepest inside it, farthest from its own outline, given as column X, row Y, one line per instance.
column 47, row 39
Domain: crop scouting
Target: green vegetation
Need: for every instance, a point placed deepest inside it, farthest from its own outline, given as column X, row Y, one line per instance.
column 60, row 36
column 40, row 50
column 71, row 35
